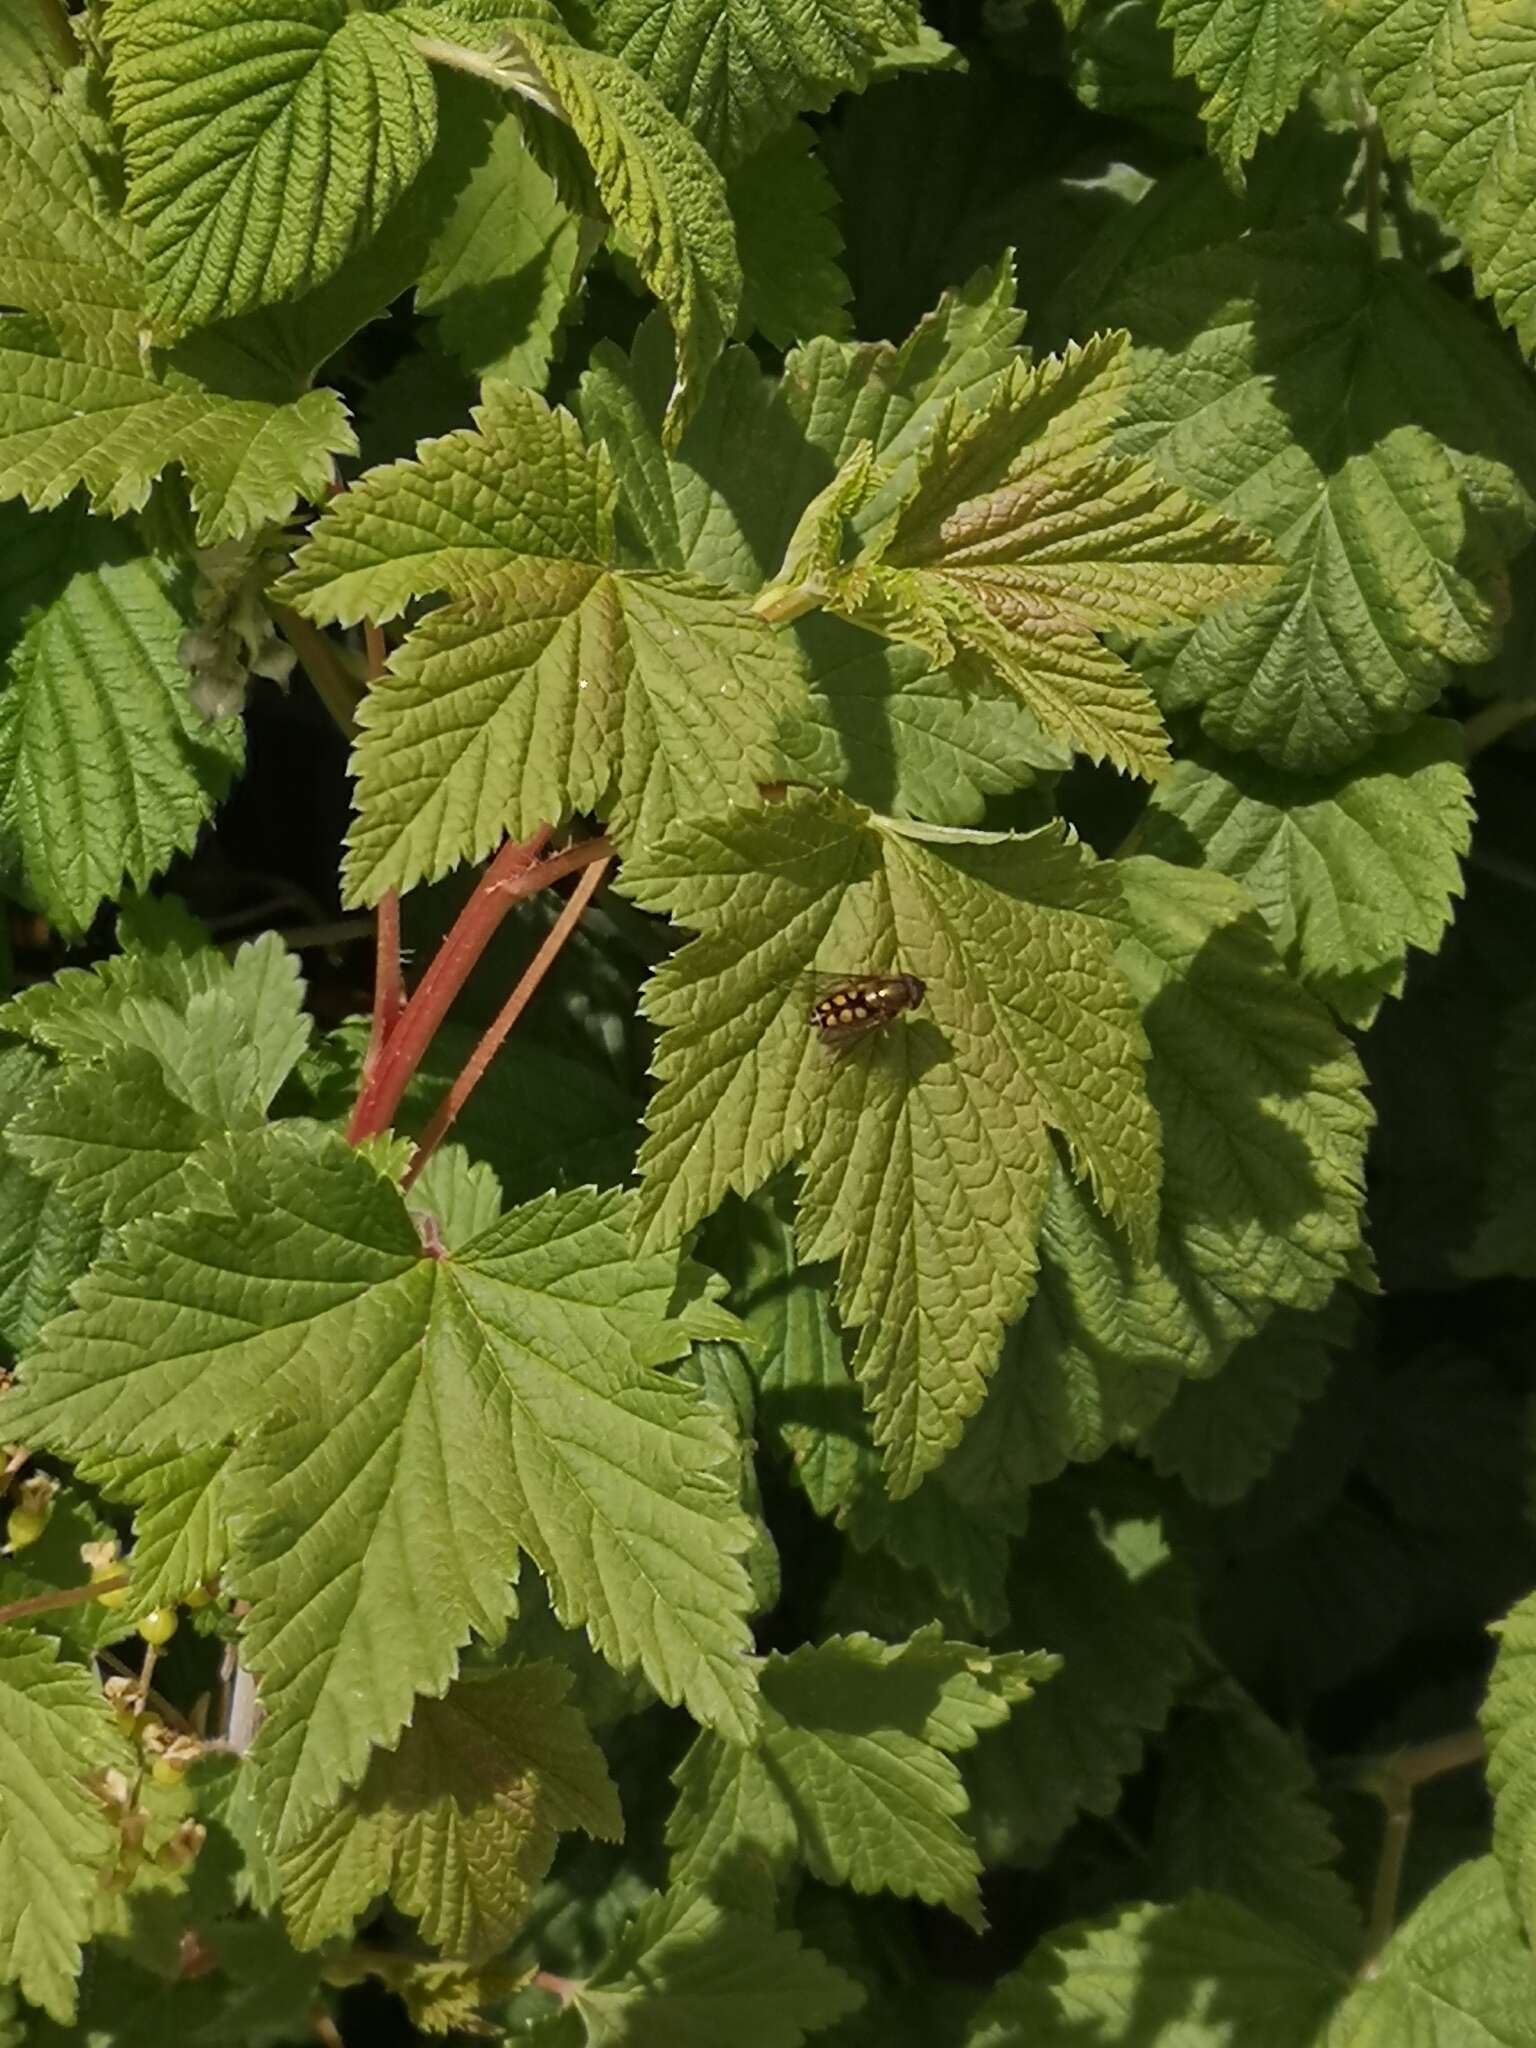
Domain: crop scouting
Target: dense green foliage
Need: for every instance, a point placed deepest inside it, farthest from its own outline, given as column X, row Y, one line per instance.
column 555, row 1492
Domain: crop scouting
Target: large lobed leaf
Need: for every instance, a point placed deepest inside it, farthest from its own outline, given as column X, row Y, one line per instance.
column 1374, row 429
column 554, row 680
column 927, row 1150
column 1351, row 870
column 459, row 1823
column 291, row 1305
column 687, row 1973
column 851, row 1772
column 1264, row 1118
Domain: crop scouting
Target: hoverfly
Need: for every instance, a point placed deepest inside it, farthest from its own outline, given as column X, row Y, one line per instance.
column 855, row 1004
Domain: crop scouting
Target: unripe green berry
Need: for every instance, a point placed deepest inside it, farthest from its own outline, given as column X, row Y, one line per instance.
column 158, row 1626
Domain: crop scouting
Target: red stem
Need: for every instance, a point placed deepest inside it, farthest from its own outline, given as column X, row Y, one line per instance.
column 516, row 872
column 469, row 1077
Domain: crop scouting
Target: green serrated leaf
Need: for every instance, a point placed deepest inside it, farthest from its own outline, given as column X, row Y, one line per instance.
column 81, row 402
column 737, row 72
column 149, row 1077
column 927, row 1133
column 46, row 1243
column 1509, row 1721
column 355, row 1370
column 502, row 264
column 1017, row 540
column 107, row 769
column 1204, row 1974
column 1238, row 1813
column 1252, row 59
column 1366, row 422
column 907, row 739
column 1219, row 1436
column 1264, row 1119
column 663, row 194
column 36, row 47
column 1450, row 94
column 554, row 681
column 686, row 1973
column 1350, row 870
column 56, row 1840
column 1119, row 1612
column 261, row 145
column 180, row 1521
column 850, row 1773
column 1457, row 1974
column 458, row 1825
column 782, row 199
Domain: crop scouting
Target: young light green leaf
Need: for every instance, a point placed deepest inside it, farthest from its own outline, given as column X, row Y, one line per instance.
column 261, row 145
column 1264, row 1118
column 1119, row 1611
column 1457, row 1974
column 355, row 1370
column 554, row 681
column 737, row 71
column 723, row 504
column 932, row 1139
column 1377, row 433
column 502, row 264
column 1252, row 59
column 1462, row 121
column 1017, row 541
column 1207, row 1973
column 1238, row 1813
column 782, row 200
column 459, row 1824
column 686, row 1973
column 851, row 1771
column 1350, row 870
column 664, row 196
column 1220, row 1436
column 107, row 769
column 56, row 1839
column 82, row 403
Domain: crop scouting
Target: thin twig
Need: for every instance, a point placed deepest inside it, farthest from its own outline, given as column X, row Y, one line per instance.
column 468, row 1078
column 173, row 1716
column 69, row 1596
column 1504, row 715
column 327, row 674
column 1394, row 1783
column 1373, row 174
column 563, row 1988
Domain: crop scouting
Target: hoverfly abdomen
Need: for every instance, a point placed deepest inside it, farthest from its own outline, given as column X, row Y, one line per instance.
column 858, row 1003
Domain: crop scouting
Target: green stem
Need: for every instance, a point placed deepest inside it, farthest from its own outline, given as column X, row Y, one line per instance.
column 327, row 674
column 1394, row 1783
column 1504, row 715
column 67, row 1596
